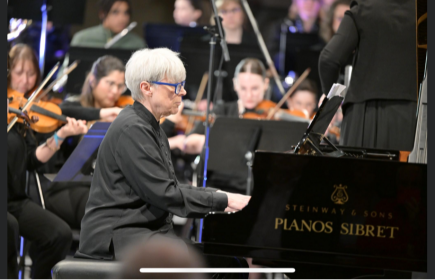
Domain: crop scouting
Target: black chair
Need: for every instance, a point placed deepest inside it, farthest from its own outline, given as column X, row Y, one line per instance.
column 86, row 269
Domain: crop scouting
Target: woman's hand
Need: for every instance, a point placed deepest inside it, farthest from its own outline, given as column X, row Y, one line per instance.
column 109, row 114
column 73, row 127
column 236, row 202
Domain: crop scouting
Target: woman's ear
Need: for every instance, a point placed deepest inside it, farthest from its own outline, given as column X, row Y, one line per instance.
column 145, row 88
column 197, row 14
column 266, row 83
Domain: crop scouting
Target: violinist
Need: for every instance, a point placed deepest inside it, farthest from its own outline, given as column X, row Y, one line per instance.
column 304, row 98
column 115, row 16
column 50, row 236
column 187, row 12
column 250, row 84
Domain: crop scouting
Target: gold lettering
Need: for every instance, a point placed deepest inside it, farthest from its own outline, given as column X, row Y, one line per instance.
column 359, row 230
column 294, row 207
column 287, row 207
column 392, row 231
column 370, row 230
column 333, row 211
column 314, row 226
column 328, row 227
column 366, row 213
column 351, row 229
column 390, row 216
column 324, row 210
column 285, row 224
column 342, row 211
column 344, row 230
column 381, row 231
column 353, row 212
column 373, row 214
column 301, row 208
column 306, row 225
column 278, row 221
column 315, row 209
column 381, row 215
column 308, row 208
column 294, row 224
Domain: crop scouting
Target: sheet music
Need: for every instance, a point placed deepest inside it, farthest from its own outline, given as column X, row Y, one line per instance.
column 336, row 90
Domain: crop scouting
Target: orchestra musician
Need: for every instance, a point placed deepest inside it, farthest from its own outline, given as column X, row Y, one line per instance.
column 379, row 110
column 250, row 83
column 115, row 16
column 50, row 236
column 134, row 192
column 304, row 98
column 187, row 12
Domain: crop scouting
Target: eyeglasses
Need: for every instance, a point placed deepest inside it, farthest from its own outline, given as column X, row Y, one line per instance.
column 232, row 11
column 177, row 86
column 120, row 87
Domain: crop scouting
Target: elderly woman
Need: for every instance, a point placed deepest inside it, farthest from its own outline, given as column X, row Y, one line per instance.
column 134, row 191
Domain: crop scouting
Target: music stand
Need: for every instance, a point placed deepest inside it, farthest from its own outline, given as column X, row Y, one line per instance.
column 195, row 55
column 79, row 166
column 231, row 139
column 169, row 35
column 87, row 57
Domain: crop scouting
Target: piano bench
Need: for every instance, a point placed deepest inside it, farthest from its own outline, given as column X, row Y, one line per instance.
column 86, row 269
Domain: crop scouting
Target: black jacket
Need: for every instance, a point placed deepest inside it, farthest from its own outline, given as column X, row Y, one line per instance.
column 134, row 190
column 383, row 36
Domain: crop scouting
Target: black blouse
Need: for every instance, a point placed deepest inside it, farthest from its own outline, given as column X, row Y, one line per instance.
column 134, row 190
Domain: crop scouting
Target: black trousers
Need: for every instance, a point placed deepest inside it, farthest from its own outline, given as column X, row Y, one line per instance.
column 381, row 124
column 13, row 241
column 50, row 237
column 68, row 203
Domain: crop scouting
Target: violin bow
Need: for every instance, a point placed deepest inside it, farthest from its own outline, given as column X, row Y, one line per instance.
column 198, row 98
column 289, row 92
column 263, row 46
column 34, row 94
column 66, row 72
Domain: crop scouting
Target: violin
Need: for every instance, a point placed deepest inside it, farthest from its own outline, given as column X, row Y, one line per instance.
column 124, row 100
column 263, row 109
column 49, row 114
column 27, row 120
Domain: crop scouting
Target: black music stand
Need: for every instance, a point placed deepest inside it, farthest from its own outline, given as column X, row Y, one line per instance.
column 80, row 165
column 87, row 57
column 195, row 54
column 233, row 140
column 169, row 35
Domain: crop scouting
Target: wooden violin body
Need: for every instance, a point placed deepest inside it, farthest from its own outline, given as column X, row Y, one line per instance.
column 49, row 114
column 263, row 109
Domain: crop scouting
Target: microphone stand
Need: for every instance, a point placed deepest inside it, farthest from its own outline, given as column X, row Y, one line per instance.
column 214, row 36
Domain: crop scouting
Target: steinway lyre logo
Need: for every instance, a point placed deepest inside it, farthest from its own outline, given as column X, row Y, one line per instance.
column 339, row 196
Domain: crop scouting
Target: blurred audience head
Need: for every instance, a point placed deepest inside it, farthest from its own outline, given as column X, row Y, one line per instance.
column 304, row 98
column 104, row 84
column 250, row 82
column 24, row 69
column 187, row 12
column 161, row 252
column 115, row 14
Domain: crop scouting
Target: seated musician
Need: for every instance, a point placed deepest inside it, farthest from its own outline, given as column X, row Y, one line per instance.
column 50, row 236
column 187, row 12
column 233, row 21
column 115, row 16
column 304, row 98
column 134, row 192
column 250, row 83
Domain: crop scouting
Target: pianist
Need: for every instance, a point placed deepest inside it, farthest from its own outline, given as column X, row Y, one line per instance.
column 134, row 191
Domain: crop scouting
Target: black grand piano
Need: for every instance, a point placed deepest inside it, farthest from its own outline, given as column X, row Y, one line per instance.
column 348, row 213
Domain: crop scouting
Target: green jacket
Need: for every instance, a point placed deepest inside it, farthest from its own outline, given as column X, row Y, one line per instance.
column 98, row 36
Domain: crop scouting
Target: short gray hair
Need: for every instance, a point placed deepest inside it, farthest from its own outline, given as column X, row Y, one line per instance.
column 152, row 65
